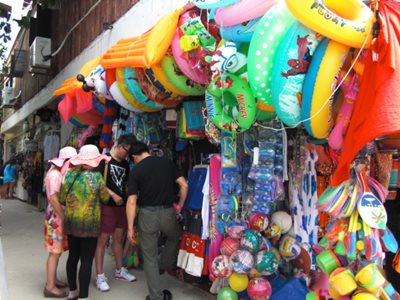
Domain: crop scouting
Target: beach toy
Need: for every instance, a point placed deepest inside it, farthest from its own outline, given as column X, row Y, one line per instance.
column 242, row 261
column 273, row 231
column 259, row 288
column 258, row 221
column 389, row 241
column 238, row 282
column 229, row 245
column 221, row 266
column 327, row 261
column 227, row 293
column 266, row 262
column 266, row 244
column 364, row 296
column 370, row 207
column 236, row 228
column 289, row 247
column 370, row 278
column 302, row 261
column 251, row 240
column 347, row 22
column 283, row 220
column 239, row 33
column 342, row 280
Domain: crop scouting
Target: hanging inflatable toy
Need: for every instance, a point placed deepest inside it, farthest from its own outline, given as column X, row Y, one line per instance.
column 319, row 84
column 207, row 4
column 154, row 90
column 227, row 58
column 96, row 82
column 178, row 79
column 116, row 92
column 350, row 90
column 194, row 40
column 134, row 88
column 346, row 22
column 242, row 11
column 146, row 50
column 120, row 77
column 263, row 48
column 239, row 33
column 230, row 103
column 293, row 58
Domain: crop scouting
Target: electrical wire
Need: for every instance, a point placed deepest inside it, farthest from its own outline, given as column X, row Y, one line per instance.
column 47, row 57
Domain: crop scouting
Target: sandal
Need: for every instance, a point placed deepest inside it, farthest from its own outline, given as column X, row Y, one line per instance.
column 49, row 294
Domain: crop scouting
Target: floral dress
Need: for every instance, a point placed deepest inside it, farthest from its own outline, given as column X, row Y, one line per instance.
column 54, row 239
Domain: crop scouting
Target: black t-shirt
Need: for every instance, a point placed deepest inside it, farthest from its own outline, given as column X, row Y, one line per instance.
column 117, row 177
column 153, row 180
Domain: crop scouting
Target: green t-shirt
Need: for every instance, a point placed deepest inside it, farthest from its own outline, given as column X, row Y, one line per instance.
column 82, row 201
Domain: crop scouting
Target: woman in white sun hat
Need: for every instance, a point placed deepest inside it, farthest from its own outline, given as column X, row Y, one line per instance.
column 82, row 191
column 55, row 242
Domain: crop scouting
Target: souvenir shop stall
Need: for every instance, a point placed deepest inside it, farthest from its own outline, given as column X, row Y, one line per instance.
column 283, row 115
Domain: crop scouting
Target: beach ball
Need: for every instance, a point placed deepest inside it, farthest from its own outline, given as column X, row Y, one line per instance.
column 273, row 231
column 258, row 221
column 251, row 240
column 283, row 220
column 259, row 288
column 221, row 266
column 266, row 244
column 266, row 262
column 242, row 261
column 227, row 293
column 238, row 282
column 229, row 245
column 236, row 228
column 289, row 247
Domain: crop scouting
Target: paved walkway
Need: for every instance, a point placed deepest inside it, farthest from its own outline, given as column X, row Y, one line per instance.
column 21, row 240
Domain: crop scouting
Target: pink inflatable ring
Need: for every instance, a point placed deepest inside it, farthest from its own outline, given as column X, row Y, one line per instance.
column 242, row 11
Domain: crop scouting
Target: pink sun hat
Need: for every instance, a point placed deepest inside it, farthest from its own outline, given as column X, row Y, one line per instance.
column 64, row 154
column 89, row 155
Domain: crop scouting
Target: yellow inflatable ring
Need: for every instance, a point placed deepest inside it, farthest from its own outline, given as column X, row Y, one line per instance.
column 119, row 73
column 351, row 25
column 160, row 75
column 318, row 86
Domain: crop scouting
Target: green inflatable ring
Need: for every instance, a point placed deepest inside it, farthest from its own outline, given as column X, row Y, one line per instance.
column 179, row 80
column 230, row 103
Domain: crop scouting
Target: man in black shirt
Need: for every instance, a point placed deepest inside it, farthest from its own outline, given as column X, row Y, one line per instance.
column 113, row 221
column 151, row 187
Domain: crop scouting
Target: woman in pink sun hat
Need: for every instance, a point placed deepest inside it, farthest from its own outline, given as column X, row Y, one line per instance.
column 82, row 191
column 55, row 242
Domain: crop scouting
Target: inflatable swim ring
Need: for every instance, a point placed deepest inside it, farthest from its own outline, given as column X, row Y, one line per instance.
column 291, row 63
column 269, row 33
column 319, row 83
column 242, row 11
column 346, row 21
column 230, row 103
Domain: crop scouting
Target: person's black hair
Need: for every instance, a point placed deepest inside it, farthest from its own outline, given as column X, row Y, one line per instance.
column 138, row 148
column 126, row 140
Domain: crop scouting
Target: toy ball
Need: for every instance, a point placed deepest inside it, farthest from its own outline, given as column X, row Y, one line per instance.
column 238, row 282
column 221, row 266
column 266, row 262
column 289, row 248
column 254, row 273
column 236, row 228
column 273, row 231
column 229, row 245
column 258, row 221
column 259, row 288
column 242, row 261
column 251, row 240
column 283, row 220
column 266, row 244
column 302, row 261
column 227, row 293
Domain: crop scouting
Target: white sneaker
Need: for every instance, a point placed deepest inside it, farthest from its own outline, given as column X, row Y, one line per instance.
column 101, row 283
column 123, row 274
